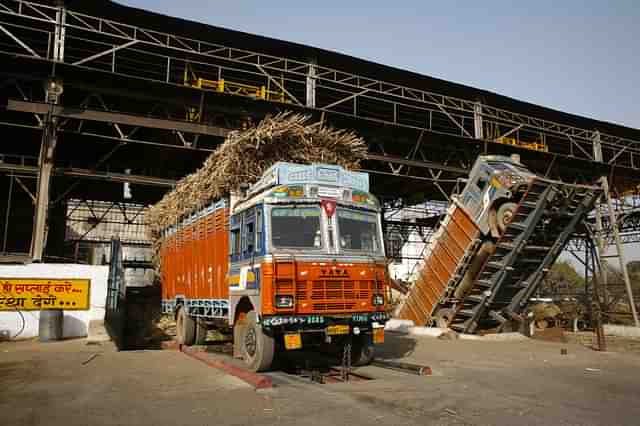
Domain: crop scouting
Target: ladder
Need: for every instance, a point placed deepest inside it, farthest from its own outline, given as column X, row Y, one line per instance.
column 603, row 247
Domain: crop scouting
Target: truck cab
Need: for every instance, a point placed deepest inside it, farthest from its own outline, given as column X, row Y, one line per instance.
column 306, row 263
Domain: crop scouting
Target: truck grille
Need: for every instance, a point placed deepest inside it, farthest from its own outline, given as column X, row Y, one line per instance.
column 330, row 295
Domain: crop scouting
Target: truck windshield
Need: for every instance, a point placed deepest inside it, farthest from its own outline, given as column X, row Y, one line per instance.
column 296, row 227
column 358, row 231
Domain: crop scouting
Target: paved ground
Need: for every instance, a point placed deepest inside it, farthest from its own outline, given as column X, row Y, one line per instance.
column 475, row 383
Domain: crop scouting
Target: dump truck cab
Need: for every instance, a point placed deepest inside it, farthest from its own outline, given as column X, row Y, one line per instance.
column 491, row 193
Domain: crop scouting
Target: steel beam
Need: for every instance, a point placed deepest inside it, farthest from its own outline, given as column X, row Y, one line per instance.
column 92, row 174
column 113, row 117
column 415, row 163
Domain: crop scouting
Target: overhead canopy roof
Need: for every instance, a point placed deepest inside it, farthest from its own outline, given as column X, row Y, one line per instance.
column 241, row 40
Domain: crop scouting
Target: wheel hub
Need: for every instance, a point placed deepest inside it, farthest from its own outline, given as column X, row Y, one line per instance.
column 250, row 342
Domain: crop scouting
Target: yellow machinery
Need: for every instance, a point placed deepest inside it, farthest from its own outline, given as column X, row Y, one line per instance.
column 537, row 145
column 512, row 137
column 225, row 86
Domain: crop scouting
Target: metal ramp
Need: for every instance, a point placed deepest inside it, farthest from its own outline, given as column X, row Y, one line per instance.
column 545, row 218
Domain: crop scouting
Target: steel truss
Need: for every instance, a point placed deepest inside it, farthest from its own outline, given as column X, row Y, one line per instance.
column 101, row 221
column 42, row 32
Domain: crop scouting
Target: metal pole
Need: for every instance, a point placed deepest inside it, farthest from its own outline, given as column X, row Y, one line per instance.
column 311, row 86
column 6, row 217
column 47, row 149
column 599, row 328
column 477, row 121
column 623, row 264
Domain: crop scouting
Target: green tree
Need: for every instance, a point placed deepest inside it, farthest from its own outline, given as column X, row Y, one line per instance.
column 563, row 270
column 562, row 279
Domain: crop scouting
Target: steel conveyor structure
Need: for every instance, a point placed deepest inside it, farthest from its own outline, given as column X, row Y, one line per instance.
column 495, row 245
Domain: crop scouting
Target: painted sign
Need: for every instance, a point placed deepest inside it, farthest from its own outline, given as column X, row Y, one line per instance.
column 37, row 293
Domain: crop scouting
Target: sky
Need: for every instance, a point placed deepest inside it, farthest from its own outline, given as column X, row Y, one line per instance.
column 575, row 56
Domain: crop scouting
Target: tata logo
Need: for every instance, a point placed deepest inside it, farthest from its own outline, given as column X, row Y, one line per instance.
column 334, row 272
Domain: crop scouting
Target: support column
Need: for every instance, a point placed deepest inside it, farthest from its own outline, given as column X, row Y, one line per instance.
column 613, row 223
column 311, row 86
column 53, row 90
column 7, row 215
column 45, row 166
column 478, row 125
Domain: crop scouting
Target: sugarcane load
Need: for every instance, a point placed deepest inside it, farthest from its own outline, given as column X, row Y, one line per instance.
column 278, row 240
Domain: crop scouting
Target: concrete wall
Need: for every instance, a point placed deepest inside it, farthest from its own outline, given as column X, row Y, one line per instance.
column 76, row 323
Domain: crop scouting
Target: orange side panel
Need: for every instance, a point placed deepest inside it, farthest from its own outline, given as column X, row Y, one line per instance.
column 453, row 241
column 194, row 260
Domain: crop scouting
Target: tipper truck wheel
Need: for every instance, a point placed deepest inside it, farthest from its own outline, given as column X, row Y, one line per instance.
column 504, row 216
column 257, row 348
column 185, row 327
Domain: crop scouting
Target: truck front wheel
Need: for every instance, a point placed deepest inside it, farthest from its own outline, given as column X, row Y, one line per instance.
column 185, row 327
column 362, row 350
column 257, row 348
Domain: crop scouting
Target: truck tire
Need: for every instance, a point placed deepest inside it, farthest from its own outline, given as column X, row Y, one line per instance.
column 200, row 332
column 257, row 348
column 504, row 215
column 362, row 350
column 185, row 328
column 443, row 317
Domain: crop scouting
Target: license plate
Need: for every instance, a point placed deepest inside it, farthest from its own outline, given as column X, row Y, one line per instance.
column 378, row 335
column 292, row 341
column 333, row 330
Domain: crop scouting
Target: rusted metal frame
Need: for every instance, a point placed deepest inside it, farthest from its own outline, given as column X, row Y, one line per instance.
column 573, row 142
column 92, row 174
column 18, row 41
column 105, row 52
column 615, row 157
column 25, row 98
column 97, row 222
column 22, row 8
column 414, row 163
column 76, row 16
column 281, row 87
column 531, row 121
column 412, row 106
column 353, row 96
column 25, row 189
column 437, row 185
column 118, row 118
column 510, row 132
column 551, row 164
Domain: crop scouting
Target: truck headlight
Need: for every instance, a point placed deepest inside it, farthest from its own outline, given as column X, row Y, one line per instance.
column 284, row 301
column 377, row 300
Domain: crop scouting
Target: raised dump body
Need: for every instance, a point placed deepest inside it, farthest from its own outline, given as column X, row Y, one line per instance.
column 447, row 256
column 516, row 225
column 296, row 261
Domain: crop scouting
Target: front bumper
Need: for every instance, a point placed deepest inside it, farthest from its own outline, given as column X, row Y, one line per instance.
column 319, row 323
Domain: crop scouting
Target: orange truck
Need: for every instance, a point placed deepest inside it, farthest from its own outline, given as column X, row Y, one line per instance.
column 296, row 260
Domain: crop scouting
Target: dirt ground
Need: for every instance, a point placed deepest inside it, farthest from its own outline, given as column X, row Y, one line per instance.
column 474, row 383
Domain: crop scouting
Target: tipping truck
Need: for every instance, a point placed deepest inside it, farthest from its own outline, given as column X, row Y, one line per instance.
column 496, row 242
column 294, row 261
